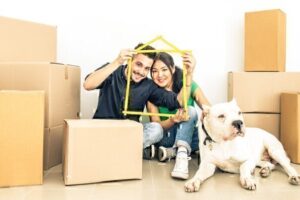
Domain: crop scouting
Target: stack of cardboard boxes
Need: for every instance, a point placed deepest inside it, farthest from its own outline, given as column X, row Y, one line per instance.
column 39, row 104
column 28, row 62
column 258, row 89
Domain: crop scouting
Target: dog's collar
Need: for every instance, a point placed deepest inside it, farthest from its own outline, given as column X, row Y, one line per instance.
column 207, row 138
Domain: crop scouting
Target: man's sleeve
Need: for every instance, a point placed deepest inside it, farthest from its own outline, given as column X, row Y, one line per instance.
column 162, row 97
column 105, row 81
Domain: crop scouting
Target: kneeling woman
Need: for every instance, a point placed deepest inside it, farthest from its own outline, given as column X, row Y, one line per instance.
column 180, row 136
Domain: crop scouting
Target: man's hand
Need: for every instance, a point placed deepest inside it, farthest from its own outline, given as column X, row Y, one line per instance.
column 124, row 55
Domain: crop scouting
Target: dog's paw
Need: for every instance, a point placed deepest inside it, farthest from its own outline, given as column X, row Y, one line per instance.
column 265, row 172
column 193, row 185
column 248, row 183
column 294, row 180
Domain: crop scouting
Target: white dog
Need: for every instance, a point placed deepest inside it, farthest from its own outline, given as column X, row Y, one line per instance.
column 233, row 148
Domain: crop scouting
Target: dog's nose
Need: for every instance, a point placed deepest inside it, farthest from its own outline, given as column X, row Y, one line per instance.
column 237, row 124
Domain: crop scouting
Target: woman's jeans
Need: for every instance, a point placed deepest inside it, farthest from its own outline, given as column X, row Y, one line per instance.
column 183, row 134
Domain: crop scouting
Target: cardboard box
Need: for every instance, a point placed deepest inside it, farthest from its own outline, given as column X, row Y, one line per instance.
column 26, row 41
column 53, row 142
column 102, row 150
column 265, row 40
column 60, row 82
column 21, row 137
column 290, row 125
column 266, row 121
column 260, row 91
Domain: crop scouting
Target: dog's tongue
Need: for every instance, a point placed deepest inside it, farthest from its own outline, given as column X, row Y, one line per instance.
column 235, row 131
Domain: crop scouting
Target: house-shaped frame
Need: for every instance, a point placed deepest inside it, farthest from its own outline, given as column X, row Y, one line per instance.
column 173, row 49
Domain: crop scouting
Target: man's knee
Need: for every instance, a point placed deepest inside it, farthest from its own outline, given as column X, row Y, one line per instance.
column 153, row 130
column 193, row 113
column 157, row 130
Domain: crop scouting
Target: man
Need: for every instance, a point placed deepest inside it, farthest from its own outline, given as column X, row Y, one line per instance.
column 111, row 79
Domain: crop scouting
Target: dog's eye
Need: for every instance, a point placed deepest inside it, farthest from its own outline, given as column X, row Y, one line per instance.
column 221, row 116
column 240, row 112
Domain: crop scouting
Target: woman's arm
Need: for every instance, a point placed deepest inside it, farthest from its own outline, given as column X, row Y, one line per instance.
column 200, row 98
column 190, row 63
column 166, row 124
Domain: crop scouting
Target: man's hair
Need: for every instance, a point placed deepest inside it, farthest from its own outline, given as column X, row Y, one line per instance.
column 147, row 47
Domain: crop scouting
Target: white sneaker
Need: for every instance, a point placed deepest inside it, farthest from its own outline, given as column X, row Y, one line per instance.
column 181, row 168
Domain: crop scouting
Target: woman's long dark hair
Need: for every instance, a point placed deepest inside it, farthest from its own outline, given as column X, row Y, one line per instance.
column 167, row 59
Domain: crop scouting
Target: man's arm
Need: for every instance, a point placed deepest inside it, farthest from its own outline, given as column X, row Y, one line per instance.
column 162, row 97
column 97, row 77
column 168, row 123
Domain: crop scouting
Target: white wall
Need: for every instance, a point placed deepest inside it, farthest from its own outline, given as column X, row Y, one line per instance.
column 91, row 32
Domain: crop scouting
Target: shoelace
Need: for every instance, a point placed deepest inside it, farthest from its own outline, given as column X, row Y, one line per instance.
column 181, row 164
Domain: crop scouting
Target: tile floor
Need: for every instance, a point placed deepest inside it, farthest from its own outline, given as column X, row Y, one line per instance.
column 156, row 184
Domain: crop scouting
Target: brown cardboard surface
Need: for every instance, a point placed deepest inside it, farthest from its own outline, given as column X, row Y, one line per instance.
column 26, row 41
column 260, row 91
column 61, row 84
column 268, row 122
column 102, row 150
column 265, row 40
column 290, row 125
column 53, row 139
column 21, row 137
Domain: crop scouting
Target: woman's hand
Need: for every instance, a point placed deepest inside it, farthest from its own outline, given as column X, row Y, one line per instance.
column 179, row 116
column 189, row 61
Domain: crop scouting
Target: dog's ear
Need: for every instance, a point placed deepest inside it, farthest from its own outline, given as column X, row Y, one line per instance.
column 205, row 110
column 233, row 101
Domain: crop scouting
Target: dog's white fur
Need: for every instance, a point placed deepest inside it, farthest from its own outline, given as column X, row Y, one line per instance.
column 237, row 149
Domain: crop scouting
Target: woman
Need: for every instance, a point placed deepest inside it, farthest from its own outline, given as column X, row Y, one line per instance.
column 179, row 134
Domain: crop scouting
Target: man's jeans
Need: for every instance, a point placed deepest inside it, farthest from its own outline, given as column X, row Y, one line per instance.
column 153, row 133
column 183, row 134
